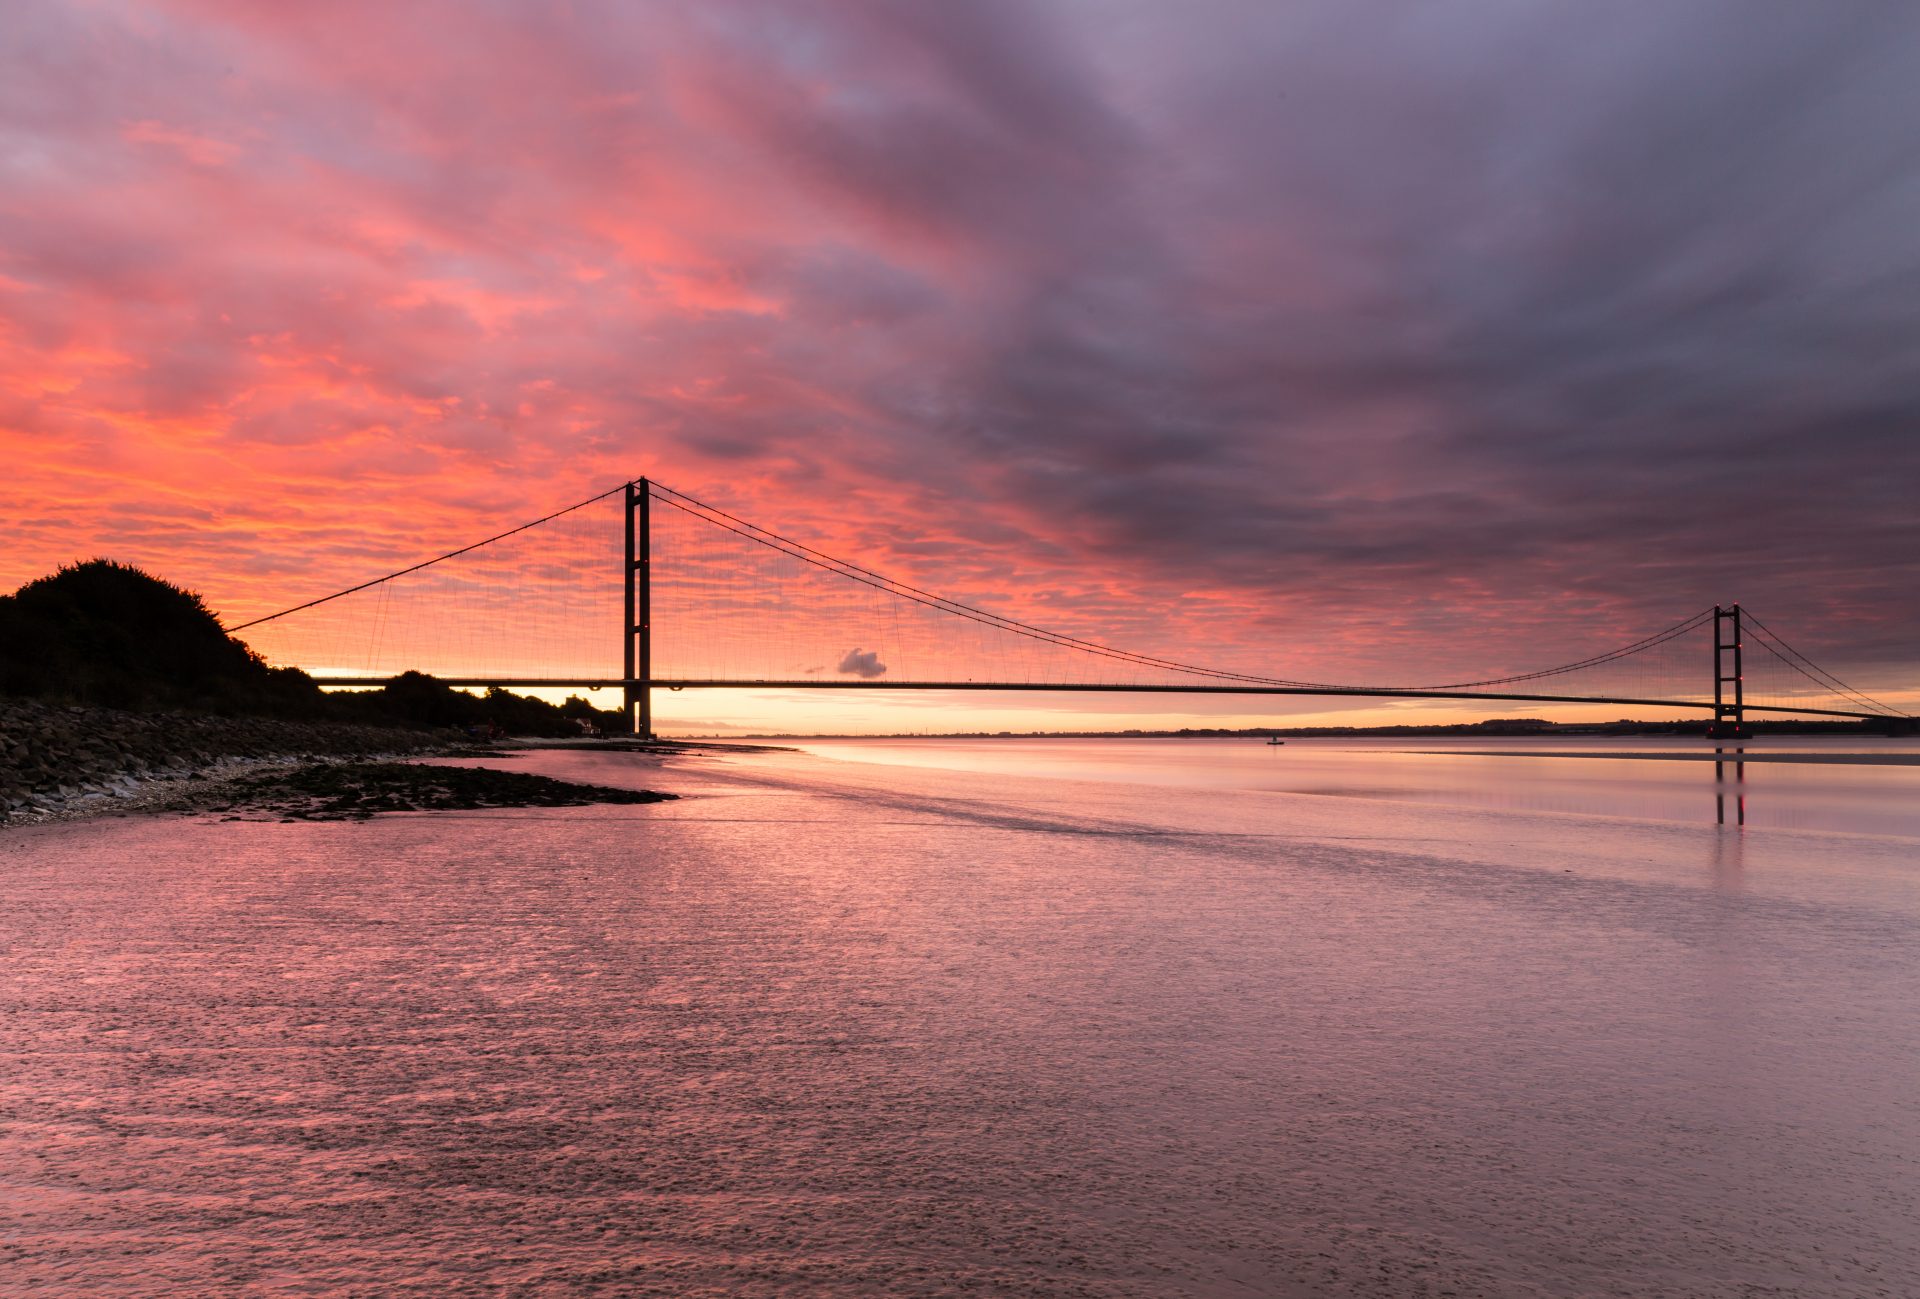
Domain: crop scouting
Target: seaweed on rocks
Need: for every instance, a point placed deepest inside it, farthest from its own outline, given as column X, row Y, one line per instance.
column 359, row 790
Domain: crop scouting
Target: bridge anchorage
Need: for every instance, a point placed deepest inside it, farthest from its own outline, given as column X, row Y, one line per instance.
column 708, row 600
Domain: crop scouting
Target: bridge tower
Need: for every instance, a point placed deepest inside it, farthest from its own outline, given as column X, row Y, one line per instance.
column 1729, row 706
column 637, row 580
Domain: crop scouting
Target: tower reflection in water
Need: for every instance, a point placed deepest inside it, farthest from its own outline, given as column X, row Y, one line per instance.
column 1739, row 763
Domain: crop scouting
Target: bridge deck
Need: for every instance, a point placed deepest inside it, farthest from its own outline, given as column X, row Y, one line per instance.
column 815, row 683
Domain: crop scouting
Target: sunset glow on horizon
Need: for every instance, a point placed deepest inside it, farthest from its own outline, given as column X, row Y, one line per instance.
column 1335, row 347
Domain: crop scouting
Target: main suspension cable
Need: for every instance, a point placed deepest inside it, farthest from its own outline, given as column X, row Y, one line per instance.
column 854, row 572
column 1812, row 671
column 428, row 563
column 718, row 518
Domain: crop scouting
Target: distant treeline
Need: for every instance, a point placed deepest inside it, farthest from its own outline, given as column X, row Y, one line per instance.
column 110, row 635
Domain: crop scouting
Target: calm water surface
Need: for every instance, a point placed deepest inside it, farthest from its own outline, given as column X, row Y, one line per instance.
column 1008, row 1018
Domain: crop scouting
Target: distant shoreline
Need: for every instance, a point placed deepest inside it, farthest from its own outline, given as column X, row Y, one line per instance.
column 1732, row 753
column 1467, row 731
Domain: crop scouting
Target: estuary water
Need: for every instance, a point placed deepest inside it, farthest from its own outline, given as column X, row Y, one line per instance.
column 988, row 1018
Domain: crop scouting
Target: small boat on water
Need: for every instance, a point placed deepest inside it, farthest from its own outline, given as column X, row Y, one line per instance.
column 1274, row 739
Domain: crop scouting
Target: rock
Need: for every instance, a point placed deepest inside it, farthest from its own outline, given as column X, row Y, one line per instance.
column 51, row 756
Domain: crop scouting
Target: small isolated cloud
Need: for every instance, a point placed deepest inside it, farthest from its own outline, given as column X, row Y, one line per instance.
column 862, row 663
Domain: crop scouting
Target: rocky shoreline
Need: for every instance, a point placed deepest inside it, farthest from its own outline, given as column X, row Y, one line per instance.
column 356, row 791
column 61, row 761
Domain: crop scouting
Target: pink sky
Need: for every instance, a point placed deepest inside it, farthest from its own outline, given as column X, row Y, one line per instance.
column 1404, row 349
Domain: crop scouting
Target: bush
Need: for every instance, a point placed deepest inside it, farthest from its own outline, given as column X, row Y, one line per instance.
column 109, row 634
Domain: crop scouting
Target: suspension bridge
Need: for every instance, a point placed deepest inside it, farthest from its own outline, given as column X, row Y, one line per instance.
column 643, row 588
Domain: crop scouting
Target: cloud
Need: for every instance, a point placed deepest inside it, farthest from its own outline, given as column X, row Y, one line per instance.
column 861, row 663
column 1326, row 339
